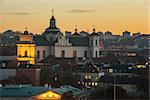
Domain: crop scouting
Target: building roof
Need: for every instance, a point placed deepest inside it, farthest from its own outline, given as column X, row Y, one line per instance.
column 76, row 34
column 25, row 42
column 79, row 41
column 94, row 34
column 40, row 40
column 21, row 91
column 66, row 88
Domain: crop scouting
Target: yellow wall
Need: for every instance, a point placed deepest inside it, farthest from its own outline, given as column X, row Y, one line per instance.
column 30, row 48
column 48, row 96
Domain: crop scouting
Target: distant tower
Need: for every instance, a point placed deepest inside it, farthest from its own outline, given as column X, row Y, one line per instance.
column 94, row 40
column 76, row 30
column 94, row 30
column 52, row 32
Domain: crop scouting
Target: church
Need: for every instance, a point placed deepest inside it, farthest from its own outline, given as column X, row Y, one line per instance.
column 52, row 42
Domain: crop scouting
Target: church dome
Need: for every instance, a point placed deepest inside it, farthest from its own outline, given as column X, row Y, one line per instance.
column 26, row 32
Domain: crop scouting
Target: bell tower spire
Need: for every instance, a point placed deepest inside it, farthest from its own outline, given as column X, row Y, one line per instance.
column 52, row 20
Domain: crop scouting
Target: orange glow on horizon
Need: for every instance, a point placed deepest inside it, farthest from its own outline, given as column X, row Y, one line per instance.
column 106, row 15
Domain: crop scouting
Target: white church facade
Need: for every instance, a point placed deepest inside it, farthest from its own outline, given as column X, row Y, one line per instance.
column 54, row 43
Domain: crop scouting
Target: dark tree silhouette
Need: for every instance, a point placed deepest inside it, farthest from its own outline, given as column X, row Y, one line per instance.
column 120, row 93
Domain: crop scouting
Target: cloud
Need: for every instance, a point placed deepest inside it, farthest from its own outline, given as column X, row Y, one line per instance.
column 81, row 11
column 16, row 13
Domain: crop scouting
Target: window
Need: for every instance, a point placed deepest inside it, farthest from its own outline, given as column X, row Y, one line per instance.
column 86, row 77
column 78, row 82
column 55, row 78
column 96, row 54
column 89, row 83
column 75, row 53
column 89, row 76
column 95, row 83
column 85, row 53
column 92, row 83
column 44, row 53
column 82, row 83
column 63, row 53
column 96, row 42
column 38, row 54
column 26, row 53
column 100, row 53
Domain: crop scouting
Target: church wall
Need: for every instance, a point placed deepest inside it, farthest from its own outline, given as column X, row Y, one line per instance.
column 41, row 49
column 52, row 50
column 69, row 51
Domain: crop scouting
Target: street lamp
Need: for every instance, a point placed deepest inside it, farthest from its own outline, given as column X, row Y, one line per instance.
column 114, row 79
column 114, row 83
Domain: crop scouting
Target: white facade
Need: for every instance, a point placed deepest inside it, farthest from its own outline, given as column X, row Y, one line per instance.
column 69, row 52
column 95, row 48
column 42, row 52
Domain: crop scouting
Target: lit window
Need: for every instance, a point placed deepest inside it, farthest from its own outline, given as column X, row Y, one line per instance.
column 92, row 83
column 95, row 83
column 55, row 95
column 89, row 83
column 78, row 82
column 96, row 78
column 44, row 95
column 86, row 77
column 55, row 78
column 89, row 76
column 82, row 83
column 50, row 95
column 85, row 83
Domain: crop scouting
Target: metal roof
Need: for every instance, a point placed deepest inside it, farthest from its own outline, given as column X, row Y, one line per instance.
column 40, row 40
column 66, row 88
column 21, row 91
column 79, row 41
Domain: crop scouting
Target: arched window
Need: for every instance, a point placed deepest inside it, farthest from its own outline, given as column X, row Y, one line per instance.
column 38, row 54
column 44, row 53
column 96, row 54
column 85, row 53
column 62, row 53
column 74, row 53
column 26, row 53
column 95, row 42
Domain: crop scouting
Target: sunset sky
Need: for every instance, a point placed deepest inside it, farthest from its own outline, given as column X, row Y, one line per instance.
column 106, row 15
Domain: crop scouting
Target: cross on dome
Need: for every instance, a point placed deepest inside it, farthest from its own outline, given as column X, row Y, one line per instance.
column 52, row 12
